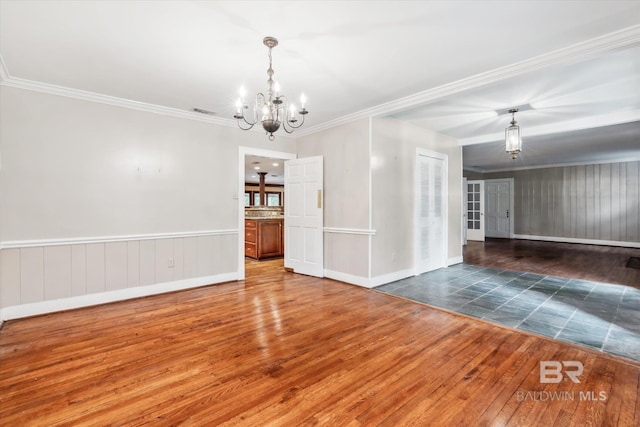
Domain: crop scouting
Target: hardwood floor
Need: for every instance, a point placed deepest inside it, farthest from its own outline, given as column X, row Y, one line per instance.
column 589, row 262
column 286, row 349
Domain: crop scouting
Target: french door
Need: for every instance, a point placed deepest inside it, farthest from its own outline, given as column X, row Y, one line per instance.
column 475, row 210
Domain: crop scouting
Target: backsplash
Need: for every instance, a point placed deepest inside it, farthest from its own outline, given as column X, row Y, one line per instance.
column 264, row 211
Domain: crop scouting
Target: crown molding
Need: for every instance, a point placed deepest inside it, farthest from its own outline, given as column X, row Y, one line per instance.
column 619, row 39
column 7, row 80
column 606, row 43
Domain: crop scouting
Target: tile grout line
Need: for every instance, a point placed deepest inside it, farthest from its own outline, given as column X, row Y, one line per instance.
column 452, row 284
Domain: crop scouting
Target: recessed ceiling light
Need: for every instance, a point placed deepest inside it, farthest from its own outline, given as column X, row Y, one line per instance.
column 275, row 164
column 257, row 168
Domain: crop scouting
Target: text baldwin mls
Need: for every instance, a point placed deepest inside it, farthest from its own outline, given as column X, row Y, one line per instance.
column 548, row 396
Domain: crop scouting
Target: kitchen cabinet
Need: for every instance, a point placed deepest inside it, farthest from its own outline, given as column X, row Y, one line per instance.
column 263, row 238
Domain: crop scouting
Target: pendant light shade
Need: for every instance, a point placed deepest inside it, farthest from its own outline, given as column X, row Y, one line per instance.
column 513, row 137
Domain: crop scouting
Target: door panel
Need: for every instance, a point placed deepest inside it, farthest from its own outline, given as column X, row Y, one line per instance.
column 498, row 195
column 303, row 216
column 464, row 211
column 475, row 210
column 431, row 248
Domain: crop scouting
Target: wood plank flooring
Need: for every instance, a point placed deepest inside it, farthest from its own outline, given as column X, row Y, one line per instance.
column 286, row 349
column 589, row 262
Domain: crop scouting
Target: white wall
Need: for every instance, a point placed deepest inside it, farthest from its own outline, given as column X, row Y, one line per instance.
column 394, row 157
column 103, row 195
column 346, row 197
column 369, row 197
column 97, row 200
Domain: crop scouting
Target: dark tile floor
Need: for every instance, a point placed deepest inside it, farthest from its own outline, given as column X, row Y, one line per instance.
column 598, row 315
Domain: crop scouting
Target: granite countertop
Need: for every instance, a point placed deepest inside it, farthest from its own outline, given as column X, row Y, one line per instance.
column 263, row 218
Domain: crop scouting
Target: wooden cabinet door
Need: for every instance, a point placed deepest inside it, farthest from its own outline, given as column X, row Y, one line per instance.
column 270, row 238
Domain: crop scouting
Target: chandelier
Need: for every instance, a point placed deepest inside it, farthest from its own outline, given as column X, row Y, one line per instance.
column 512, row 136
column 272, row 107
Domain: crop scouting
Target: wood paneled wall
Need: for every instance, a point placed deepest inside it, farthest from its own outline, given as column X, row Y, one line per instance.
column 595, row 202
column 45, row 273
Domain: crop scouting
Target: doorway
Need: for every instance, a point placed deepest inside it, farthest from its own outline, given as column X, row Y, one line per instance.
column 430, row 236
column 269, row 157
column 499, row 208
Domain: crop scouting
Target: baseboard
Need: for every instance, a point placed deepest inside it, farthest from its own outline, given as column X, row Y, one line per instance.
column 347, row 278
column 44, row 307
column 366, row 282
column 582, row 241
column 390, row 277
column 454, row 261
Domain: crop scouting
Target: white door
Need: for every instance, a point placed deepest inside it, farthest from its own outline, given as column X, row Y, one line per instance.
column 475, row 210
column 497, row 211
column 431, row 213
column 303, row 216
column 464, row 211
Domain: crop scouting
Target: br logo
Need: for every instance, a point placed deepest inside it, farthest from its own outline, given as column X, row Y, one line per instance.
column 551, row 371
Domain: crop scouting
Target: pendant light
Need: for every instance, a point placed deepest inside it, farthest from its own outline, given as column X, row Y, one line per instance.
column 513, row 137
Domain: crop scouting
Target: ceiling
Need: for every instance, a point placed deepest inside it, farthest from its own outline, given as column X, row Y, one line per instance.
column 444, row 65
column 581, row 112
column 273, row 167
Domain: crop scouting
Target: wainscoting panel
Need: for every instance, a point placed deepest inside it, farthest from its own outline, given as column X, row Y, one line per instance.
column 57, row 272
column 190, row 249
column 95, row 268
column 133, row 264
column 205, row 255
column 10, row 276
column 343, row 254
column 78, row 270
column 32, row 275
column 147, row 262
column 116, row 260
column 164, row 255
column 178, row 259
column 35, row 278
